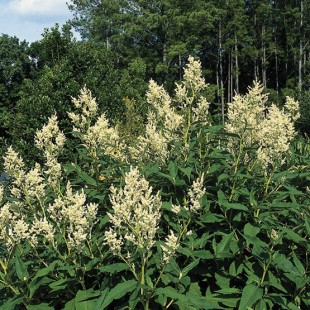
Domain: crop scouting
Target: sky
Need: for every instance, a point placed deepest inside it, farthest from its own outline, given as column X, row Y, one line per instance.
column 26, row 19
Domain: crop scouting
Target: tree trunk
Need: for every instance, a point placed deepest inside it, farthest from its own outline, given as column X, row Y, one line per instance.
column 229, row 80
column 300, row 45
column 231, row 77
column 217, row 77
column 277, row 67
column 236, row 65
column 264, row 78
column 221, row 74
column 180, row 67
column 255, row 40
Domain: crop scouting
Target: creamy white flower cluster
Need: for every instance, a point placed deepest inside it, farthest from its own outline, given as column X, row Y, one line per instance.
column 88, row 110
column 29, row 186
column 74, row 217
column 163, row 126
column 13, row 228
column 193, row 83
column 188, row 92
column 269, row 130
column 292, row 108
column 194, row 195
column 99, row 137
column 166, row 123
column 153, row 145
column 50, row 140
column 245, row 115
column 274, row 136
column 68, row 216
column 166, row 114
column 135, row 211
column 14, row 165
column 170, row 247
column 28, row 218
column 28, row 191
column 135, row 218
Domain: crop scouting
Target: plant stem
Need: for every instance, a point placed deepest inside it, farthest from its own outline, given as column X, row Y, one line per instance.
column 236, row 167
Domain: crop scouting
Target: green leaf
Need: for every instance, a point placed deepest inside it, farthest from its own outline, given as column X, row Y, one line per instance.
column 195, row 289
column 172, row 293
column 222, row 177
column 45, row 271
column 235, row 268
column 187, row 171
column 234, row 206
column 223, row 248
column 173, row 169
column 36, row 283
column 291, row 235
column 293, row 190
column 273, row 281
column 222, row 280
column 212, row 218
column 59, row 285
column 250, row 295
column 88, row 179
column 101, row 299
column 21, row 269
column 117, row 292
column 228, row 290
column 299, row 265
column 11, row 303
column 189, row 267
column 114, row 268
column 285, row 264
column 251, row 230
column 214, row 168
column 43, row 306
column 221, row 197
column 70, row 305
column 203, row 254
column 85, row 295
column 151, row 170
column 261, row 305
column 134, row 298
column 86, row 300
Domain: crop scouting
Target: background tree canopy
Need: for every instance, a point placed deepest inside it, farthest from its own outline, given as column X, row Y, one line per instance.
column 126, row 43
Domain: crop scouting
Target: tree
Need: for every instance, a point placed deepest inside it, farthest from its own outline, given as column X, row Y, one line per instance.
column 15, row 65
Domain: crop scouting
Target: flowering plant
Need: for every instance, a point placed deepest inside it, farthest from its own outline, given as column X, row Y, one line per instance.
column 188, row 216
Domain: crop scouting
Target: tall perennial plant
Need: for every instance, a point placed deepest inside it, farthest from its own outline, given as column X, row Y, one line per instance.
column 187, row 216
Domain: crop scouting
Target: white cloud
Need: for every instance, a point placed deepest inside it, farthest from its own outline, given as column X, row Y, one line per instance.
column 39, row 7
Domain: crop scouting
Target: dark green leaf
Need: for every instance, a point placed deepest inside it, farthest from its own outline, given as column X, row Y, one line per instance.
column 273, row 281
column 173, row 169
column 117, row 292
column 43, row 306
column 250, row 295
column 223, row 248
column 234, row 206
column 171, row 293
column 21, row 269
column 114, row 268
column 189, row 267
column 88, row 179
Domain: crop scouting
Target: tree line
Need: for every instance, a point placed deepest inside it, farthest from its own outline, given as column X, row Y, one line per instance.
column 125, row 43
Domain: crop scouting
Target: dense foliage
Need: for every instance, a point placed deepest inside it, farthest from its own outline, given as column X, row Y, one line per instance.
column 187, row 215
